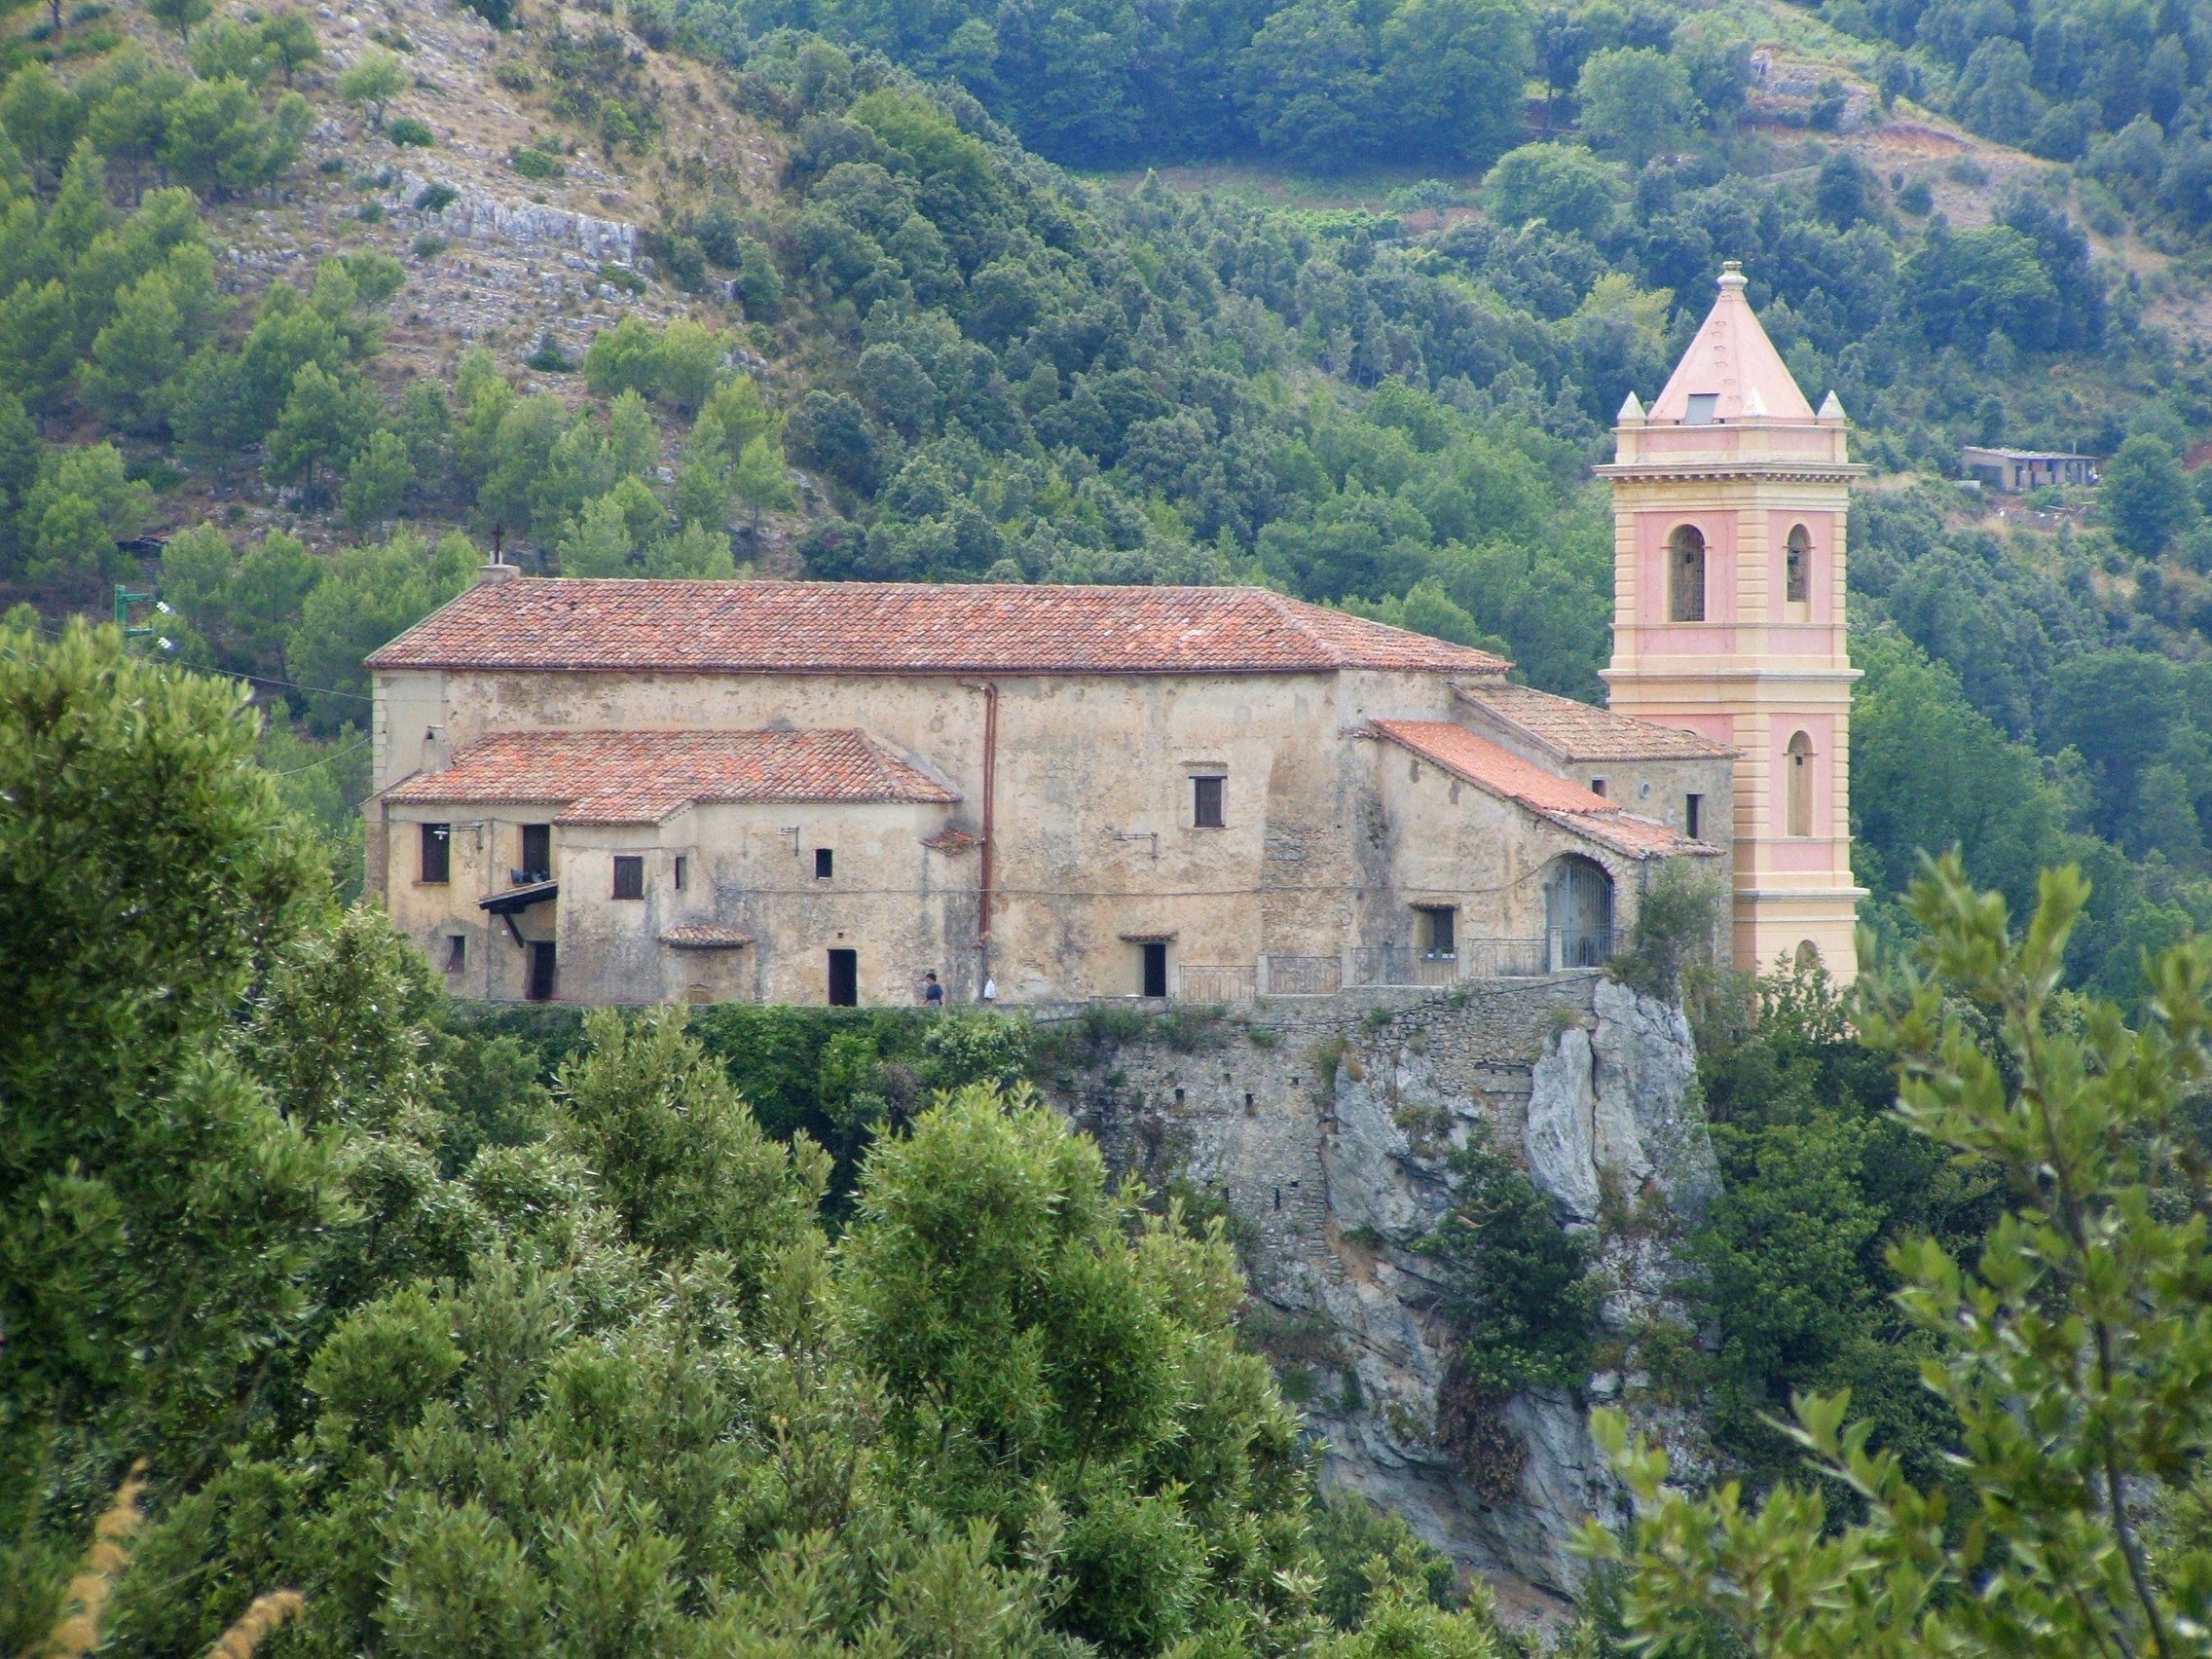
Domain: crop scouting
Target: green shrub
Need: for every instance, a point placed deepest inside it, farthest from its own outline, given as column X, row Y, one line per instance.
column 536, row 164
column 429, row 245
column 411, row 134
column 435, row 198
column 1678, row 928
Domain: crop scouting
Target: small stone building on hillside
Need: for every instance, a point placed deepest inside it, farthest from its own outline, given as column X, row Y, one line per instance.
column 630, row 791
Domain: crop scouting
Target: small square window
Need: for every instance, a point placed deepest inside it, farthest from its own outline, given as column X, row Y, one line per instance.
column 1208, row 808
column 1703, row 405
column 683, row 869
column 1598, row 785
column 438, row 852
column 457, row 952
column 629, row 876
column 825, row 864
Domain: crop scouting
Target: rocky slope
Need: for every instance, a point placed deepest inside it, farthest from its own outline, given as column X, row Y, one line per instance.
column 1325, row 1128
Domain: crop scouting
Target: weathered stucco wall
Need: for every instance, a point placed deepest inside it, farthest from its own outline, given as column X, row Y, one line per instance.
column 1329, row 843
column 1325, row 1125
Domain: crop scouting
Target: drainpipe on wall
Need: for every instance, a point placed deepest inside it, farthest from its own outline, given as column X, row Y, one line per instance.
column 990, row 692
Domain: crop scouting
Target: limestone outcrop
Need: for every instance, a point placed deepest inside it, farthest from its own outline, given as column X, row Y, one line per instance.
column 1326, row 1126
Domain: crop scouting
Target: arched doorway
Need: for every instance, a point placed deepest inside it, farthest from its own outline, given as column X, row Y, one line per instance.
column 1578, row 914
column 1799, row 820
column 1685, row 574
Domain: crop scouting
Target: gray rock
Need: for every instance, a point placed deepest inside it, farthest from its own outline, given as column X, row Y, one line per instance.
column 1335, row 1193
column 1651, row 1122
column 1561, row 1136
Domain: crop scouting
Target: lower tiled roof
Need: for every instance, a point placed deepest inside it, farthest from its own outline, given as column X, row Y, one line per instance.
column 1577, row 731
column 1500, row 772
column 641, row 777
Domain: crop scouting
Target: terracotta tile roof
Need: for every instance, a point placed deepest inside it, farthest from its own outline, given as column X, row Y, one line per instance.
column 765, row 627
column 952, row 840
column 1575, row 731
column 1505, row 774
column 641, row 777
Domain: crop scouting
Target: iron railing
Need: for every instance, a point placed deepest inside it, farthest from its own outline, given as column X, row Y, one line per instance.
column 1582, row 947
column 1224, row 984
column 1303, row 976
column 1473, row 959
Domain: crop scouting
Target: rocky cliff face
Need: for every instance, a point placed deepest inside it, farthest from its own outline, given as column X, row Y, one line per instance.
column 1326, row 1126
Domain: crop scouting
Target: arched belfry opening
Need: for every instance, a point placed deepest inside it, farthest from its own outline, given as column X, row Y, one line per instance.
column 1579, row 913
column 1685, row 574
column 1799, row 785
column 1798, row 571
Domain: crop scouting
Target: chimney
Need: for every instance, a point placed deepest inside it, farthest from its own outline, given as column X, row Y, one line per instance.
column 496, row 569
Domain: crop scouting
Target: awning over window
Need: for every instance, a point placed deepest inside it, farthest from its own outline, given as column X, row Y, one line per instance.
column 520, row 898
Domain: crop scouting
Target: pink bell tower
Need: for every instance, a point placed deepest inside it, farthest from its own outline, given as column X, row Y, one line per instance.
column 1729, row 500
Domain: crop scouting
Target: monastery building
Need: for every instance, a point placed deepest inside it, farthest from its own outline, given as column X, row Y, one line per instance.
column 634, row 791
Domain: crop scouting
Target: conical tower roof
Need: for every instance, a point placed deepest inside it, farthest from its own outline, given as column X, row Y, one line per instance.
column 1733, row 362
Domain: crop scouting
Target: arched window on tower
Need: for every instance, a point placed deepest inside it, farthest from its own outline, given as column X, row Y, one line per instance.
column 1797, row 566
column 1685, row 574
column 1799, row 820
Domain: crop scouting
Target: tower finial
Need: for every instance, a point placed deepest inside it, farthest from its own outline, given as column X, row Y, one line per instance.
column 1731, row 273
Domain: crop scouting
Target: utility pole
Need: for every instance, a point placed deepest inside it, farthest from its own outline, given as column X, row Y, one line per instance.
column 125, row 602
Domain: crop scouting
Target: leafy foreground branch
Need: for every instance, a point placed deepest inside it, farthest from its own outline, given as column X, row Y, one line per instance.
column 2075, row 1354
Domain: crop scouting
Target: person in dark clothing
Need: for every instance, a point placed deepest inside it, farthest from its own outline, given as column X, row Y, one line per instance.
column 933, row 993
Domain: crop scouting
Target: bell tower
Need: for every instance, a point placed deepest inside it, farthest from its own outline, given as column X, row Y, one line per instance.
column 1729, row 499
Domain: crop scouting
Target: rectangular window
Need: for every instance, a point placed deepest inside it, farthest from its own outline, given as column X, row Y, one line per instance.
column 1155, row 967
column 629, row 876
column 1439, row 931
column 537, row 853
column 1693, row 816
column 844, row 978
column 1598, row 785
column 683, row 869
column 825, row 864
column 457, row 952
column 1703, row 407
column 438, row 852
column 1206, row 801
